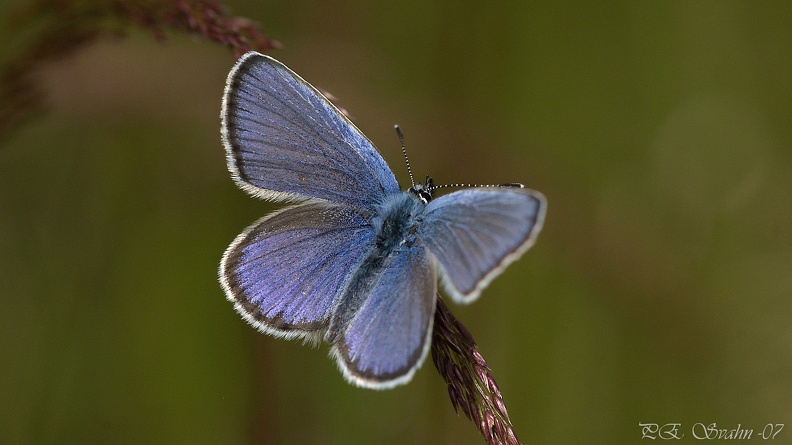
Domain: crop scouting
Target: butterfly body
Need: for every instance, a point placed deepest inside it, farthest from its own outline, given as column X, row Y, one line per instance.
column 356, row 261
column 395, row 226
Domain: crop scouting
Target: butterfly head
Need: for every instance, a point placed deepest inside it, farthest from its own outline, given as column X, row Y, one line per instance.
column 424, row 192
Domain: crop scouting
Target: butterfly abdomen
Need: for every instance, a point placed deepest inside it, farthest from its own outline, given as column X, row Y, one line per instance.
column 395, row 230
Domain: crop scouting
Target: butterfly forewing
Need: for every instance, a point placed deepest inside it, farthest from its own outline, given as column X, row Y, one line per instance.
column 285, row 141
column 476, row 233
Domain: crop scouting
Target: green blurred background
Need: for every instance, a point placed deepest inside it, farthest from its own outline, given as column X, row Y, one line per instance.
column 659, row 291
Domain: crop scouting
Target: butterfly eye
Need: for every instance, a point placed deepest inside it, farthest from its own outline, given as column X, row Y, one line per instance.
column 425, row 196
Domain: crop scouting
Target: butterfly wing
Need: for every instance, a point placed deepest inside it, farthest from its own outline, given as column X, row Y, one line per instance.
column 285, row 141
column 389, row 337
column 285, row 272
column 476, row 233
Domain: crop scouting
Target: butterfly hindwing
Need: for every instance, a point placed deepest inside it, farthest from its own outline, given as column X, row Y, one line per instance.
column 476, row 233
column 285, row 272
column 285, row 141
column 389, row 337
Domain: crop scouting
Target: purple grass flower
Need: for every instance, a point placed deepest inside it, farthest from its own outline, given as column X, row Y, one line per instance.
column 471, row 386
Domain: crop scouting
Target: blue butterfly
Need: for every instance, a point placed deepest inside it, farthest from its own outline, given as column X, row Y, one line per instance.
column 355, row 262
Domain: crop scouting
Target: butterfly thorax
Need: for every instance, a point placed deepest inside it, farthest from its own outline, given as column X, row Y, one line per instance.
column 395, row 228
column 396, row 220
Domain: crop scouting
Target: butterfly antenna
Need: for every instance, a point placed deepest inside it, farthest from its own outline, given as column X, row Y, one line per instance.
column 507, row 185
column 404, row 152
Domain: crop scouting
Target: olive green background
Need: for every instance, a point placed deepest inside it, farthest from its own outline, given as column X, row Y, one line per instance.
column 659, row 291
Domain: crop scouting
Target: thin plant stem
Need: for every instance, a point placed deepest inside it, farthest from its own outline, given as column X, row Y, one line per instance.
column 48, row 30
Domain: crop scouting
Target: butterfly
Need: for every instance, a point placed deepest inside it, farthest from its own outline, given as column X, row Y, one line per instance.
column 355, row 260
